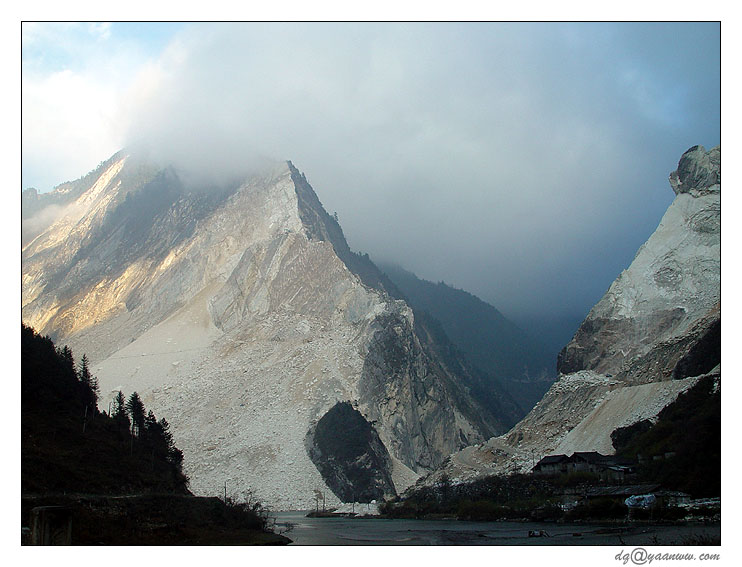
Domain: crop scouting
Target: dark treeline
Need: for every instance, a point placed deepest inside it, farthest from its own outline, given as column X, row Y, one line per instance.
column 118, row 473
column 68, row 445
column 687, row 433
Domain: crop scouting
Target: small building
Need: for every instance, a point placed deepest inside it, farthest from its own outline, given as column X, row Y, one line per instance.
column 551, row 464
column 616, row 473
column 587, row 461
column 608, row 467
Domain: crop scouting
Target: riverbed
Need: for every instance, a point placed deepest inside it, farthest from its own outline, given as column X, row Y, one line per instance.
column 355, row 531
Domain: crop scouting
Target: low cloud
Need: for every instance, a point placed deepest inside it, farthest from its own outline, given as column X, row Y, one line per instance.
column 523, row 162
column 35, row 225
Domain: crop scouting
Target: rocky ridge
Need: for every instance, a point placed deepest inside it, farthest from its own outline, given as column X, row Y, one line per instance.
column 241, row 315
column 653, row 335
column 509, row 358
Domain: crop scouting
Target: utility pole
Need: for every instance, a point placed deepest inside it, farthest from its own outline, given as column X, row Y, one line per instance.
column 317, row 495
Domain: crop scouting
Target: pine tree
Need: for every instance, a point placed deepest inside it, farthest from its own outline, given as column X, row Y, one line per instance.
column 118, row 411
column 68, row 361
column 83, row 373
column 135, row 409
column 119, row 405
column 166, row 435
column 174, row 455
column 150, row 425
column 90, row 383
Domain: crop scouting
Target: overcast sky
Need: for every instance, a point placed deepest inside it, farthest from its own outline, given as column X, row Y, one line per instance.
column 525, row 163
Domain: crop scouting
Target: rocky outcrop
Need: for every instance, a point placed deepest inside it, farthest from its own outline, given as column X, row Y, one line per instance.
column 406, row 389
column 241, row 315
column 698, row 172
column 349, row 454
column 652, row 336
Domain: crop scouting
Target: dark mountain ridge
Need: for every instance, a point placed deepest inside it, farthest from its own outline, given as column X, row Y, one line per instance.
column 509, row 358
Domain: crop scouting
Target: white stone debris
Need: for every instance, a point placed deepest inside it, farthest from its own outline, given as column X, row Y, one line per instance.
column 242, row 333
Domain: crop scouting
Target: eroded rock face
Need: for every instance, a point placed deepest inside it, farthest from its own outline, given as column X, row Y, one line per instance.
column 673, row 282
column 698, row 172
column 240, row 315
column 403, row 387
column 654, row 335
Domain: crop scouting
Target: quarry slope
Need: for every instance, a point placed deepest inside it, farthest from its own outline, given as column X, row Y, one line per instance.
column 241, row 316
column 652, row 336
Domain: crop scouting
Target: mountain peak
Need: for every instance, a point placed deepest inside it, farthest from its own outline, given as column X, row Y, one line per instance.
column 673, row 281
column 245, row 298
column 654, row 334
column 698, row 172
column 319, row 225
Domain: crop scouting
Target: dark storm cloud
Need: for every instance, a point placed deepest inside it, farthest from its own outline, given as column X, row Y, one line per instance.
column 525, row 163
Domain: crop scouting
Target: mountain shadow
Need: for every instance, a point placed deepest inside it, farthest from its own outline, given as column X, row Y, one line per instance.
column 507, row 355
column 349, row 455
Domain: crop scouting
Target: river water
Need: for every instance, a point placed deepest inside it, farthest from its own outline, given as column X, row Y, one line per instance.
column 346, row 531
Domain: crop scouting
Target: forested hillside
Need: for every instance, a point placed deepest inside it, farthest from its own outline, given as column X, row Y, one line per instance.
column 67, row 445
column 117, row 472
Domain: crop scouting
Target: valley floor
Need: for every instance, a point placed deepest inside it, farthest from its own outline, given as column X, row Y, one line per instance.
column 146, row 519
column 357, row 531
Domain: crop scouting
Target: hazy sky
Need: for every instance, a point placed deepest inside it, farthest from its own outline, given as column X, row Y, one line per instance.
column 525, row 163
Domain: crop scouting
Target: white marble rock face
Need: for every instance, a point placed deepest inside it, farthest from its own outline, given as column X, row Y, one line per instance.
column 623, row 365
column 241, row 327
column 674, row 280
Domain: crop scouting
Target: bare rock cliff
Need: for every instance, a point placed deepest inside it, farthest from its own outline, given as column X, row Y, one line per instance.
column 654, row 333
column 672, row 284
column 240, row 314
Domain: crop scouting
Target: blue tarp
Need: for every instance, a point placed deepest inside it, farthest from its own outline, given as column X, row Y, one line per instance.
column 640, row 501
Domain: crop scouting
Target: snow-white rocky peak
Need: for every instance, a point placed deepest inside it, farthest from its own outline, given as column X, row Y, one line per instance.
column 651, row 336
column 240, row 315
